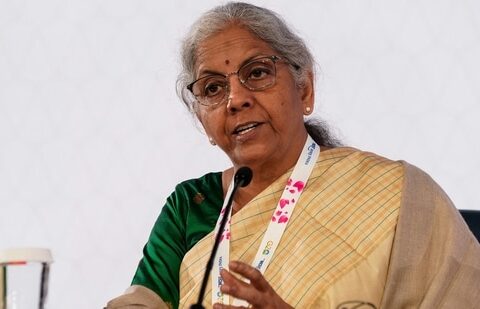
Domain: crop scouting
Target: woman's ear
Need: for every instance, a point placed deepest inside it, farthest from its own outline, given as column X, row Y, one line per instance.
column 198, row 120
column 198, row 114
column 308, row 92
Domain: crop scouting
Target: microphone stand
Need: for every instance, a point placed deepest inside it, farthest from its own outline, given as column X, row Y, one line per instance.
column 242, row 178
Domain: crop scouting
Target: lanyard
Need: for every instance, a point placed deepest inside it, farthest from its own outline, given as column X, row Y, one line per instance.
column 280, row 218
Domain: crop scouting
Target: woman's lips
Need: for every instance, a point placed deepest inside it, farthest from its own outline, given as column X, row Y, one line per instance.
column 245, row 128
column 246, row 132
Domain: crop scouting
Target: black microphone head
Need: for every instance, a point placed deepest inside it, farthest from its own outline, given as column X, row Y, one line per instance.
column 243, row 176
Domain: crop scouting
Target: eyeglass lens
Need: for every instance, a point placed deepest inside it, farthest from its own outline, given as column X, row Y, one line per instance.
column 256, row 75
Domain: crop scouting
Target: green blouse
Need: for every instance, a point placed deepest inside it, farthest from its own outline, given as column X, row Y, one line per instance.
column 189, row 214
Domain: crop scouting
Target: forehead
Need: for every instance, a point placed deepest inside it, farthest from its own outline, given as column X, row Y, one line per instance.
column 228, row 49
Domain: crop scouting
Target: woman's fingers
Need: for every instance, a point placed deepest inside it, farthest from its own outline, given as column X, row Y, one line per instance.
column 220, row 306
column 250, row 273
column 232, row 284
column 239, row 289
column 257, row 292
column 234, row 287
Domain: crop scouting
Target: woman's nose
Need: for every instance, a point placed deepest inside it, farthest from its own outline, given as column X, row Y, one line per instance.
column 239, row 96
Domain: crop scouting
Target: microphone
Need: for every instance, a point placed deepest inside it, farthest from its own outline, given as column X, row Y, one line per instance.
column 241, row 179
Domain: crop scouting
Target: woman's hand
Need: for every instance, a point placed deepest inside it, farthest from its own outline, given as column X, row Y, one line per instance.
column 258, row 293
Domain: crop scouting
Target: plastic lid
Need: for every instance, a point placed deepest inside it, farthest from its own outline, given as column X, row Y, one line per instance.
column 25, row 255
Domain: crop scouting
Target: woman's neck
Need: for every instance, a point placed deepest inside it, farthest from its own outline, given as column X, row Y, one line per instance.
column 263, row 176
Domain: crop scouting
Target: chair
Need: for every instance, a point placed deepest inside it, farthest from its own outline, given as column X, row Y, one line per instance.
column 472, row 217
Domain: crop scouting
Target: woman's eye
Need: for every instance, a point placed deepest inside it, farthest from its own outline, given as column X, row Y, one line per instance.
column 212, row 89
column 259, row 73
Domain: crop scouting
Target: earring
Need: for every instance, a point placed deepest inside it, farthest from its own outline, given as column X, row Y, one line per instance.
column 308, row 110
column 210, row 139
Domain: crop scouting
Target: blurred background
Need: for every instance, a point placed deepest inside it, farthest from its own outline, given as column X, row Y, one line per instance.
column 93, row 137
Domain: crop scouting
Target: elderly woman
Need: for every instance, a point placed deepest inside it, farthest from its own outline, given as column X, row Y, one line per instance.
column 319, row 226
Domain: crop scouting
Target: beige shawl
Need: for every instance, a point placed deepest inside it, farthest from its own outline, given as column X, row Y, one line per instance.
column 434, row 261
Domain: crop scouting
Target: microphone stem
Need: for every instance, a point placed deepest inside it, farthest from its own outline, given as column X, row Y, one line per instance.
column 218, row 237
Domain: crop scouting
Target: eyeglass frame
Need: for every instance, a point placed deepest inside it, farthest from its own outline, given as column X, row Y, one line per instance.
column 273, row 58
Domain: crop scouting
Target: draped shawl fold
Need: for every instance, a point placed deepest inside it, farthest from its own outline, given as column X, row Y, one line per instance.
column 347, row 211
column 366, row 231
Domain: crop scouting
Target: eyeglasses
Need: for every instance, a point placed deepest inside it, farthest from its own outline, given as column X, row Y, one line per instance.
column 256, row 75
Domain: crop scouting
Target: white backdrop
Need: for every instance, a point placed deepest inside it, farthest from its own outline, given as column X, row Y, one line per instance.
column 93, row 137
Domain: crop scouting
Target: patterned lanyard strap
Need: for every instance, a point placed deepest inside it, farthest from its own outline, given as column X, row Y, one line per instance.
column 280, row 218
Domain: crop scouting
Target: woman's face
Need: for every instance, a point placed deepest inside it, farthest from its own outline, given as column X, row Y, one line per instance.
column 254, row 128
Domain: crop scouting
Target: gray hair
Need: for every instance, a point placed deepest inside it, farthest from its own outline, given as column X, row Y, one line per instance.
column 265, row 24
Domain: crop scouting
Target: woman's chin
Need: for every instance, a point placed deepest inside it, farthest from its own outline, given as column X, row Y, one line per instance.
column 251, row 155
